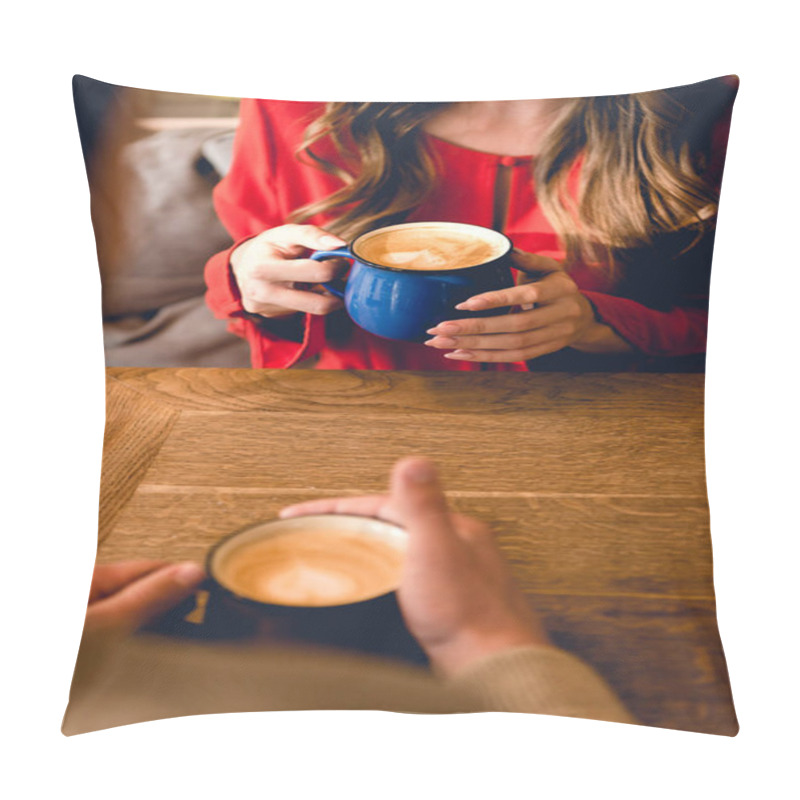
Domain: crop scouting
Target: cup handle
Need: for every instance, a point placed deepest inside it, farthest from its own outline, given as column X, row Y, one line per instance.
column 337, row 286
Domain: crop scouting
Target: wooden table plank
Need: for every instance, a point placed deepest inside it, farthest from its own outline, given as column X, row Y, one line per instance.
column 663, row 657
column 136, row 427
column 555, row 451
column 557, row 545
column 487, row 393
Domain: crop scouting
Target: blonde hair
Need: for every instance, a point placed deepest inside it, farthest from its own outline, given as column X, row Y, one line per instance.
column 643, row 170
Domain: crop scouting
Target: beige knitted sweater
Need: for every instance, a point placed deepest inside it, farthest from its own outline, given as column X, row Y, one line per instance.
column 147, row 678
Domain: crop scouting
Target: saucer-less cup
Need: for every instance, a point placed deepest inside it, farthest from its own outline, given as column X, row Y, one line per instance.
column 400, row 303
column 372, row 624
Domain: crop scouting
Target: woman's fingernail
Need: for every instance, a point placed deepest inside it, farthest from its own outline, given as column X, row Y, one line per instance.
column 462, row 355
column 188, row 574
column 443, row 341
column 332, row 241
column 465, row 306
column 447, row 327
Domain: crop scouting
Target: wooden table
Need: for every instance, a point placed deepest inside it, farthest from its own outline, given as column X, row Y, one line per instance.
column 595, row 484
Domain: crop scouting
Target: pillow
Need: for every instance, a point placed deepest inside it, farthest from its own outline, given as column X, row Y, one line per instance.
column 521, row 340
column 218, row 152
column 168, row 229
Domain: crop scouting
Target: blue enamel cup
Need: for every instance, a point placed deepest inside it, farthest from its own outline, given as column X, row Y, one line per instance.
column 395, row 302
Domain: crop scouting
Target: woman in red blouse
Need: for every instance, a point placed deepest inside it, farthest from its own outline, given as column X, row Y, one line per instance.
column 612, row 201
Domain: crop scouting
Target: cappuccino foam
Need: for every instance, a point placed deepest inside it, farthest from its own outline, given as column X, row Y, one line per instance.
column 430, row 248
column 313, row 567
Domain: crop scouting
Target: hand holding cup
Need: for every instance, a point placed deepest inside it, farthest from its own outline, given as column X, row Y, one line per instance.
column 552, row 315
column 456, row 594
column 128, row 594
column 274, row 277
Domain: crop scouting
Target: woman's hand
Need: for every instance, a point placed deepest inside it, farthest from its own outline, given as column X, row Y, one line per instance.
column 126, row 595
column 457, row 595
column 553, row 314
column 275, row 278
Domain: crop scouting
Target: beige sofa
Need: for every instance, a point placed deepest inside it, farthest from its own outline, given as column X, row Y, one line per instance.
column 155, row 227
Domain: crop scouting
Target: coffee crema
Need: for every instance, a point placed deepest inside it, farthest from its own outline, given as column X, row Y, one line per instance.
column 431, row 247
column 312, row 567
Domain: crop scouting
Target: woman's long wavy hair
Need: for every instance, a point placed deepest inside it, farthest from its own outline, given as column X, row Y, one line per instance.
column 643, row 174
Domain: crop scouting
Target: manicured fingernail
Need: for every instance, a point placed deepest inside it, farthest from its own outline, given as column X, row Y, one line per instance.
column 188, row 574
column 445, row 327
column 441, row 341
column 463, row 355
column 332, row 241
column 474, row 304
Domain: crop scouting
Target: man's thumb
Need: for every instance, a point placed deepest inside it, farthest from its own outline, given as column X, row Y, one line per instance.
column 417, row 496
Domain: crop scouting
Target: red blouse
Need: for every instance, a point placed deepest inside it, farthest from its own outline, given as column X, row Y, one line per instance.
column 267, row 182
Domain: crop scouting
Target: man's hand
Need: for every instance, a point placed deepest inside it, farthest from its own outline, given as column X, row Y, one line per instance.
column 457, row 595
column 126, row 595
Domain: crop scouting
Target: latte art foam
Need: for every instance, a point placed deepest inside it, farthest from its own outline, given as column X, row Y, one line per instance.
column 313, row 568
column 429, row 248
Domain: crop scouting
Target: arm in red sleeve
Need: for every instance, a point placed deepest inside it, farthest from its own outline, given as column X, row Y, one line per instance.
column 222, row 294
column 661, row 305
column 247, row 205
column 678, row 332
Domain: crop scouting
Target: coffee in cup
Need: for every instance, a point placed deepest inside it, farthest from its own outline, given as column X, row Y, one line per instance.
column 315, row 561
column 431, row 246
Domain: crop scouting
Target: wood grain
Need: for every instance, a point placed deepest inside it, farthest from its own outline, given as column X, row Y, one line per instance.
column 556, row 545
column 595, row 485
column 136, row 427
column 536, row 451
column 663, row 657
column 312, row 391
